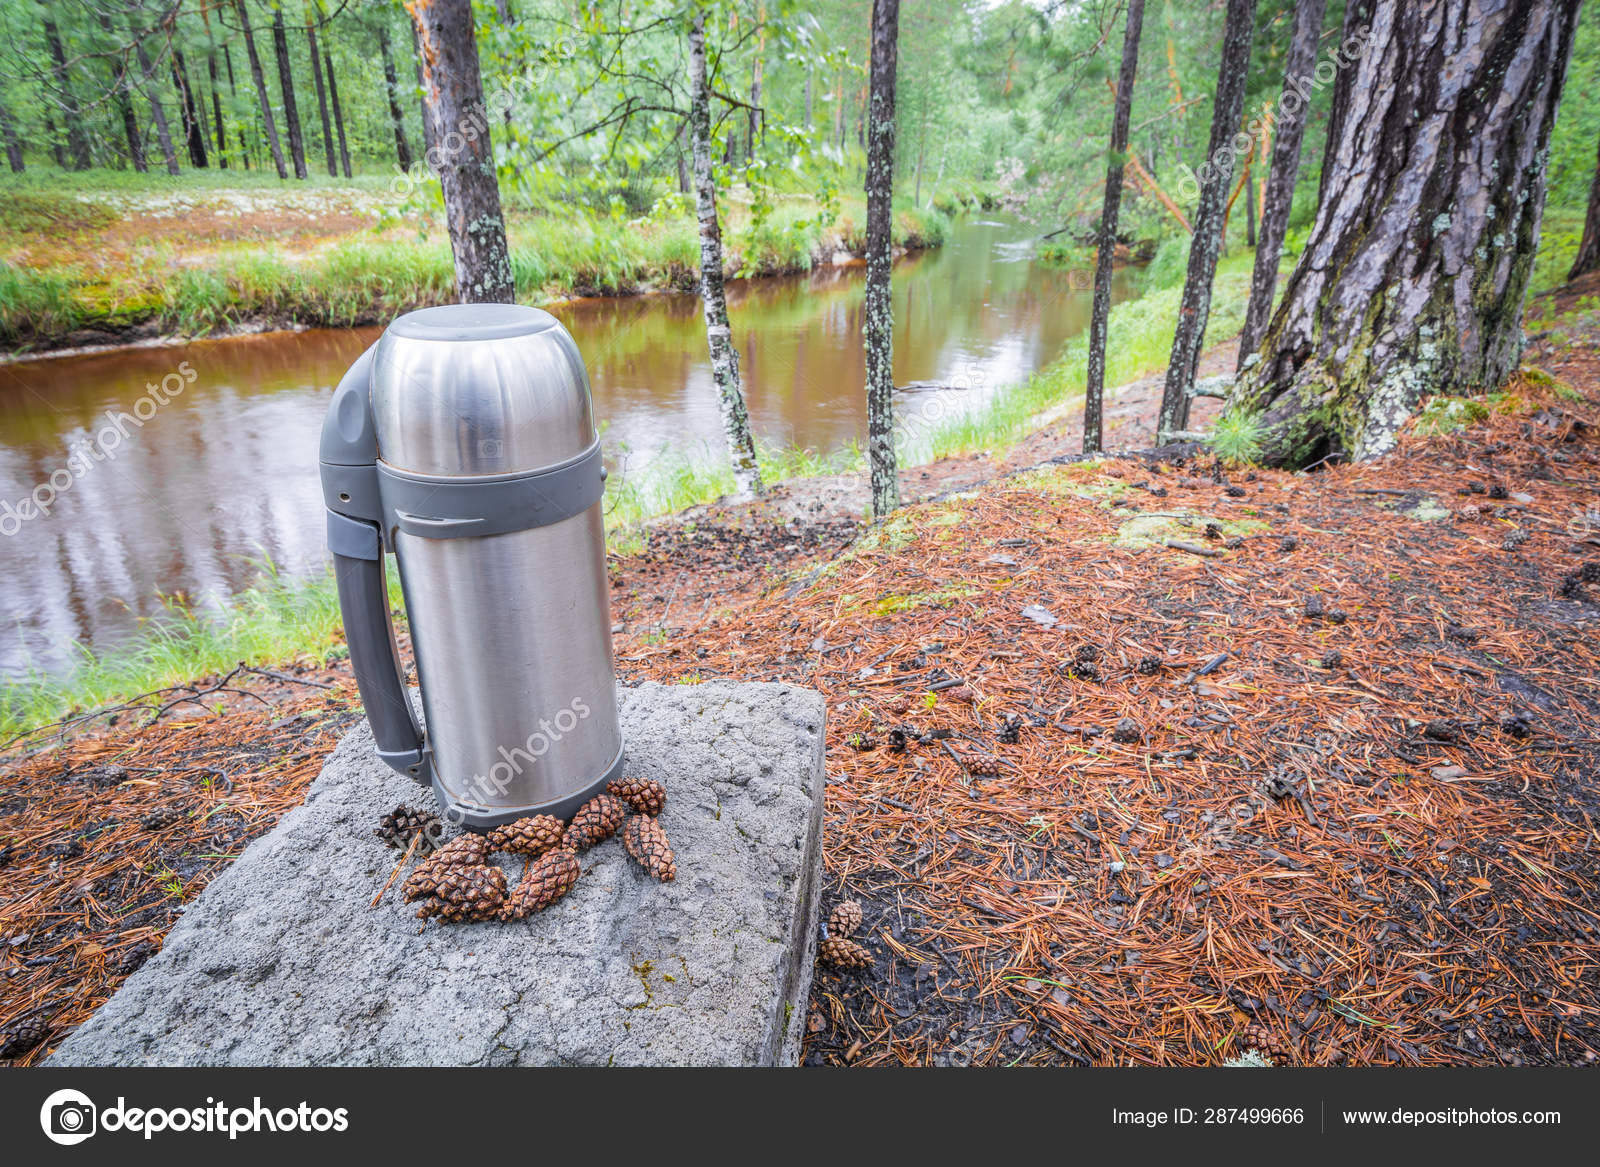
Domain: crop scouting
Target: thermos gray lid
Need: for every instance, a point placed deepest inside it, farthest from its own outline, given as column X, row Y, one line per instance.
column 479, row 389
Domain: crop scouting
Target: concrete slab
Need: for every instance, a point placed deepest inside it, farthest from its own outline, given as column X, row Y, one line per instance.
column 280, row 961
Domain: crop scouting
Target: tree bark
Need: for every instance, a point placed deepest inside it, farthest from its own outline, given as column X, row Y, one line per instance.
column 402, row 147
column 1589, row 250
column 452, row 95
column 163, row 132
column 123, row 90
column 193, row 136
column 878, row 328
column 1106, row 245
column 322, row 93
column 1290, row 129
column 8, row 131
column 338, row 109
column 422, row 102
column 1206, row 243
column 216, row 113
column 719, row 336
column 291, row 112
column 260, row 80
column 1413, row 278
column 77, row 140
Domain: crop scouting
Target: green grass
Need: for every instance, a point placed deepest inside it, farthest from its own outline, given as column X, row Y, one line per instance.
column 278, row 620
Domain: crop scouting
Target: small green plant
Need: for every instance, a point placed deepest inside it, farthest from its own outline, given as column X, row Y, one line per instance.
column 1237, row 436
column 1446, row 415
column 929, row 700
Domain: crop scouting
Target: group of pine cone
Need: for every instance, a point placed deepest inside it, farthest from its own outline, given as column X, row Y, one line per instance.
column 458, row 883
column 837, row 948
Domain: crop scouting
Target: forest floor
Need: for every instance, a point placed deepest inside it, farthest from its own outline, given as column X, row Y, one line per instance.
column 1134, row 760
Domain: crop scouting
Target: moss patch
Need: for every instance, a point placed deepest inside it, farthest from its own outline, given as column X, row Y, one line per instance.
column 1145, row 531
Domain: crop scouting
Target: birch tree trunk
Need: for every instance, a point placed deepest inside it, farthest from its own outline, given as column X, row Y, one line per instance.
column 1290, row 129
column 1413, row 278
column 322, row 92
column 1106, row 245
column 163, row 131
column 1589, row 250
column 878, row 328
column 402, row 147
column 452, row 97
column 1206, row 244
column 719, row 337
column 260, row 80
column 291, row 111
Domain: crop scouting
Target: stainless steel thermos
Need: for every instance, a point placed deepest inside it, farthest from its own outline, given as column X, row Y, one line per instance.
column 463, row 443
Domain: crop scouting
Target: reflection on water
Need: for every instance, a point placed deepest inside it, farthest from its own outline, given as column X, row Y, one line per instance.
column 223, row 475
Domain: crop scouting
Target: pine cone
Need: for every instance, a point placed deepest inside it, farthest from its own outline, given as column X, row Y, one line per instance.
column 161, row 818
column 533, row 835
column 404, row 823
column 19, row 1037
column 550, row 878
column 596, row 821
column 131, row 959
column 466, row 893
column 961, row 693
column 462, row 851
column 982, row 765
column 844, row 920
column 644, row 795
column 1126, row 731
column 647, row 843
column 843, row 953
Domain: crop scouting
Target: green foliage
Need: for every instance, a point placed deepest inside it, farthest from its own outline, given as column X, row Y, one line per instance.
column 1444, row 415
column 1236, row 437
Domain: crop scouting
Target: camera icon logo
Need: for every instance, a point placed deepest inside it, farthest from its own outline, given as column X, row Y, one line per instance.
column 68, row 1117
column 491, row 448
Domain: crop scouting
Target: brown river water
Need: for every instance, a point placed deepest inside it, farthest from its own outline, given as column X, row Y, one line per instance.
column 189, row 469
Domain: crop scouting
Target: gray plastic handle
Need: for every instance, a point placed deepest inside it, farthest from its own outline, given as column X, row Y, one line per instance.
column 374, row 653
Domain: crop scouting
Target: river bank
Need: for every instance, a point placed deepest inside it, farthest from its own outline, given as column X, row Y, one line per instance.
column 226, row 261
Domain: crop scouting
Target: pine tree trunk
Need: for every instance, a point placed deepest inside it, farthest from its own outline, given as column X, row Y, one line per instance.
column 878, row 329
column 1290, row 128
column 216, row 113
column 1589, row 250
column 719, row 336
column 1106, row 245
column 1206, row 244
column 402, row 147
column 77, row 140
column 322, row 93
column 163, row 131
column 452, row 94
column 1413, row 278
column 338, row 109
column 193, row 135
column 428, row 139
column 56, row 150
column 8, row 131
column 291, row 112
column 260, row 80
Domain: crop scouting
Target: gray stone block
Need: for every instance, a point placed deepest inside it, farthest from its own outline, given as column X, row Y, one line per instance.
column 281, row 961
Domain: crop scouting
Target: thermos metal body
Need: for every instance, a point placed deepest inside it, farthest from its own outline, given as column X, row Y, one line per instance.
column 481, row 421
